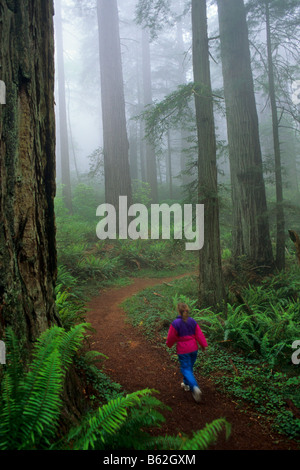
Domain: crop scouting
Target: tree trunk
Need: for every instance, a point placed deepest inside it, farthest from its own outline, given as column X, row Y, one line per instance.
column 150, row 157
column 184, row 134
column 133, row 151
column 250, row 220
column 63, row 127
column 211, row 286
column 142, row 151
column 27, row 169
column 280, row 238
column 140, row 124
column 115, row 140
column 169, row 177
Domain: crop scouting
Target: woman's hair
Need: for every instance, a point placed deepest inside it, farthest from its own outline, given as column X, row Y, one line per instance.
column 182, row 307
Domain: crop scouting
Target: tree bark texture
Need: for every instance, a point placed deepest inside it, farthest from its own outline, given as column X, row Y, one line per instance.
column 115, row 140
column 211, row 286
column 27, row 169
column 250, row 219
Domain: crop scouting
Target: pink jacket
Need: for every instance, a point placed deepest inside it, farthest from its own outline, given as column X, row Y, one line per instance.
column 186, row 335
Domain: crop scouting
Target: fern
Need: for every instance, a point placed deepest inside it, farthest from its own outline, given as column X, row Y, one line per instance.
column 93, row 357
column 70, row 343
column 40, row 408
column 114, row 426
column 133, row 433
column 31, row 402
column 15, row 359
column 105, row 422
column 207, row 436
column 65, row 278
column 70, row 308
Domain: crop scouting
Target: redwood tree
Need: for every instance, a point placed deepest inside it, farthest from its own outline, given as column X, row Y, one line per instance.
column 115, row 140
column 150, row 157
column 63, row 127
column 211, row 286
column 27, row 169
column 280, row 230
column 250, row 219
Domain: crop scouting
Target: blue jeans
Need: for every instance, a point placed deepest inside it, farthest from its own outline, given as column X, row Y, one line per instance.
column 187, row 362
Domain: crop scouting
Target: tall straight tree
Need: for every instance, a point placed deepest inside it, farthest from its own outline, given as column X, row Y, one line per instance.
column 251, row 235
column 150, row 157
column 27, row 169
column 282, row 53
column 115, row 140
column 182, row 79
column 211, row 285
column 280, row 236
column 63, row 126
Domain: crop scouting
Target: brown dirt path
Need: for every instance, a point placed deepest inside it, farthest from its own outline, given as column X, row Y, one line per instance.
column 137, row 364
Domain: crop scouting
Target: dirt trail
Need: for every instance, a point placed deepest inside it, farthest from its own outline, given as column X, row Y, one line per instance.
column 137, row 364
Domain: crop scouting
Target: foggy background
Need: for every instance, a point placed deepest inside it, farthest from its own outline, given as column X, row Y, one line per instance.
column 171, row 66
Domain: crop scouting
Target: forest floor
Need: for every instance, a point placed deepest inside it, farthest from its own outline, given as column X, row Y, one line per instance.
column 135, row 364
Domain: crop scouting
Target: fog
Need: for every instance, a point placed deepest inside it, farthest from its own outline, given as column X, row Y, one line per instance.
column 82, row 72
column 171, row 66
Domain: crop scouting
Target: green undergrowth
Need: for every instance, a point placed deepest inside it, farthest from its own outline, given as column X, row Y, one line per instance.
column 86, row 264
column 32, row 404
column 103, row 262
column 249, row 354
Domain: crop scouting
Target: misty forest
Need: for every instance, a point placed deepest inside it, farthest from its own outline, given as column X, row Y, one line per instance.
column 149, row 158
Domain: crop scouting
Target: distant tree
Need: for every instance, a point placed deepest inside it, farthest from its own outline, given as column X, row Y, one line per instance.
column 184, row 134
column 133, row 151
column 150, row 157
column 27, row 170
column 279, row 56
column 63, row 126
column 211, row 285
column 115, row 140
column 169, row 176
column 280, row 230
column 174, row 109
column 251, row 235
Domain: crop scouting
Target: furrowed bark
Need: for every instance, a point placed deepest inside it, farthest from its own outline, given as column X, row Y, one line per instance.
column 27, row 169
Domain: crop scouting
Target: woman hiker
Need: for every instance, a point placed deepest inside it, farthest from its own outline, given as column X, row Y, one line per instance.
column 186, row 333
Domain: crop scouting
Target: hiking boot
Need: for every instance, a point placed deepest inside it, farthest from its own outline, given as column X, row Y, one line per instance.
column 185, row 387
column 196, row 392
